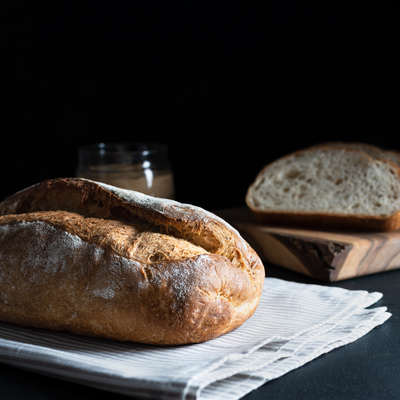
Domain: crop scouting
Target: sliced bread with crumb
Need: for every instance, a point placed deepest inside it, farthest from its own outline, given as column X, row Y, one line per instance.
column 328, row 187
column 373, row 151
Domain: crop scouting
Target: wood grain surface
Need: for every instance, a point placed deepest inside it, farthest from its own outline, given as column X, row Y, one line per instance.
column 325, row 255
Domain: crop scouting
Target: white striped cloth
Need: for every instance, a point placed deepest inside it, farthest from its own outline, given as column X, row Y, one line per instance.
column 293, row 324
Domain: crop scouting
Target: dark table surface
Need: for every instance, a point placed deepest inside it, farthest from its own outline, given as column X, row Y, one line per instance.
column 366, row 369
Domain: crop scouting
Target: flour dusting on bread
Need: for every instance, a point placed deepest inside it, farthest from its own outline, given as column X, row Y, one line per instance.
column 162, row 204
column 100, row 261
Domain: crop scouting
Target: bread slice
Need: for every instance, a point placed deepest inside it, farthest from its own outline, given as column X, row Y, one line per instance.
column 392, row 155
column 373, row 151
column 328, row 187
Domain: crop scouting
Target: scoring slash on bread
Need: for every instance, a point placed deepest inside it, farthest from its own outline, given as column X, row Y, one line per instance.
column 96, row 260
column 336, row 185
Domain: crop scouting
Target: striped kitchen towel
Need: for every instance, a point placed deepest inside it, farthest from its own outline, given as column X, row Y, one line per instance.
column 293, row 324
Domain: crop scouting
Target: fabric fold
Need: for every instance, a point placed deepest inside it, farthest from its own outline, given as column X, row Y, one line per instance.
column 294, row 324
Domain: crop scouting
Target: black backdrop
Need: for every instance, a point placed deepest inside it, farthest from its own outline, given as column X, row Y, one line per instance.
column 228, row 88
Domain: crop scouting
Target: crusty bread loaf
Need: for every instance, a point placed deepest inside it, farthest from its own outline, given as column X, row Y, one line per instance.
column 96, row 260
column 328, row 187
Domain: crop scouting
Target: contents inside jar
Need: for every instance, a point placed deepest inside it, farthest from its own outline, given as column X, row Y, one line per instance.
column 158, row 183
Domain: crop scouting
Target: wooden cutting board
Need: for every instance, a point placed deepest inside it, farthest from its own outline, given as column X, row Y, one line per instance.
column 325, row 255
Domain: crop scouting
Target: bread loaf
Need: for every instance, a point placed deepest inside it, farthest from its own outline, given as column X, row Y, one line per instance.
column 97, row 260
column 328, row 187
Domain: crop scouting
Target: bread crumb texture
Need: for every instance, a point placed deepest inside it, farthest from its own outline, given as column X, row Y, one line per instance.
column 328, row 180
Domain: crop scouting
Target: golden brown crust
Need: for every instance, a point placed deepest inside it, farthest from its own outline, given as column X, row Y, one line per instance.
column 75, row 256
column 127, row 240
column 96, row 200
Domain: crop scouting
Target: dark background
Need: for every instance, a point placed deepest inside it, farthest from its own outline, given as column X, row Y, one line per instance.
column 228, row 87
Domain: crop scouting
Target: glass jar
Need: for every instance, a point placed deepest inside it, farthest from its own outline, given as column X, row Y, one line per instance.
column 143, row 167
